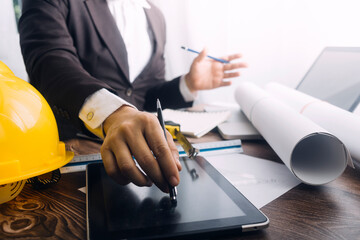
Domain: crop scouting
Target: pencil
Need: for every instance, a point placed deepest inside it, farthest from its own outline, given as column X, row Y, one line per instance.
column 214, row 58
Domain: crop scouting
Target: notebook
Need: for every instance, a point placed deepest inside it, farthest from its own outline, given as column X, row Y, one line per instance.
column 196, row 124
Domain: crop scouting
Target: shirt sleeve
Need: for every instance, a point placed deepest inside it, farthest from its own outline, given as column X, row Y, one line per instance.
column 97, row 107
column 185, row 91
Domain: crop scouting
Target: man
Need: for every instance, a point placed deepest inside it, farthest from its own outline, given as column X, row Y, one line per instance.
column 103, row 62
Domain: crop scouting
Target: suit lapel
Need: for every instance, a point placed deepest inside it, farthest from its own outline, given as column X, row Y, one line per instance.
column 108, row 30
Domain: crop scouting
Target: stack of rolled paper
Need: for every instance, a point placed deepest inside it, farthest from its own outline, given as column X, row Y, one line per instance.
column 312, row 137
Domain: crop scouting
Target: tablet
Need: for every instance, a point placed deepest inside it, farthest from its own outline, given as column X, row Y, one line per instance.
column 207, row 206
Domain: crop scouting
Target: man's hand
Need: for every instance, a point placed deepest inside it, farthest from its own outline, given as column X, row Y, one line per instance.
column 130, row 132
column 206, row 73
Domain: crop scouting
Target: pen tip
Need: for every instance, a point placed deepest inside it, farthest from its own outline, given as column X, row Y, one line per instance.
column 183, row 47
column 158, row 103
column 173, row 202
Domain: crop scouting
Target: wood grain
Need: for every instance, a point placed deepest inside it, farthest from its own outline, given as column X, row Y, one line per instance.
column 330, row 211
column 55, row 213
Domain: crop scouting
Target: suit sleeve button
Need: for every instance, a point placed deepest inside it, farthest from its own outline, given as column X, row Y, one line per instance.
column 129, row 92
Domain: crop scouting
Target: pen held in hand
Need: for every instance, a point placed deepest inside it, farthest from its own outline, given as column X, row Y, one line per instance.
column 214, row 58
column 172, row 190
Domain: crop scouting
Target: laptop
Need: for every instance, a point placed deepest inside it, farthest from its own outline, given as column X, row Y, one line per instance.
column 334, row 77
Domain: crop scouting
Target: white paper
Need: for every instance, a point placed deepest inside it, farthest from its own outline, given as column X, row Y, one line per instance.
column 357, row 110
column 259, row 180
column 196, row 124
column 310, row 152
column 343, row 124
column 82, row 189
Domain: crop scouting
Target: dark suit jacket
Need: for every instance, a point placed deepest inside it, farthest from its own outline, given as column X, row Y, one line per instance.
column 73, row 48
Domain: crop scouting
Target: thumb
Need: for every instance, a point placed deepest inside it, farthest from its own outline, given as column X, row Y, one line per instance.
column 202, row 55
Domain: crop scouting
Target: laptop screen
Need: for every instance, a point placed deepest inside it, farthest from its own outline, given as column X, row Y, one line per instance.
column 335, row 77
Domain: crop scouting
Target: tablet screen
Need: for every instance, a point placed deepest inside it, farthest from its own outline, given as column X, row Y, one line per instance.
column 205, row 201
column 199, row 198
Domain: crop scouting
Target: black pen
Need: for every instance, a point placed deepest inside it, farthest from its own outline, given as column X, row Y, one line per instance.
column 172, row 190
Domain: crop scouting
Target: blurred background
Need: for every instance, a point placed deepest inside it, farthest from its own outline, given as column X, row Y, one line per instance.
column 10, row 53
column 279, row 39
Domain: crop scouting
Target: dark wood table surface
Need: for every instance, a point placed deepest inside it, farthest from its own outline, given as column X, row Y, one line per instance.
column 331, row 211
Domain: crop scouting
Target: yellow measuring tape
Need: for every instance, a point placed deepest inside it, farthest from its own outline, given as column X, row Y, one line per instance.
column 174, row 130
column 45, row 180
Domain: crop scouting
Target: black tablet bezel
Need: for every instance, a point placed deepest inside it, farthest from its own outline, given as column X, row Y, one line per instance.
column 253, row 219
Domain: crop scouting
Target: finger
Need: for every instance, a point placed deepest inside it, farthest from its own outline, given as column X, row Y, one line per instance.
column 156, row 140
column 174, row 150
column 232, row 57
column 225, row 83
column 232, row 66
column 111, row 167
column 231, row 74
column 202, row 55
column 147, row 161
column 126, row 164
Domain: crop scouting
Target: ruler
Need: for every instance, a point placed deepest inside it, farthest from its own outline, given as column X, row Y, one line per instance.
column 212, row 148
column 78, row 163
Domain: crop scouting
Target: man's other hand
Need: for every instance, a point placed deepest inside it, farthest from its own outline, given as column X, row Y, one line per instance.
column 206, row 73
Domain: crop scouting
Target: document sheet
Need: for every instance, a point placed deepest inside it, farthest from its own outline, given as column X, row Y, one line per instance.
column 259, row 180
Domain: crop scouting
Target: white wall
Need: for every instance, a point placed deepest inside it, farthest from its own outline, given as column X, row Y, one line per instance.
column 279, row 39
column 10, row 52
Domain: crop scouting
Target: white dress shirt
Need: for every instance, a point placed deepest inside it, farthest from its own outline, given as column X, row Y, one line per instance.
column 131, row 21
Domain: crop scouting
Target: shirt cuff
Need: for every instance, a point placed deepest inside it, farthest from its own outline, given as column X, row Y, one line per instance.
column 185, row 91
column 97, row 107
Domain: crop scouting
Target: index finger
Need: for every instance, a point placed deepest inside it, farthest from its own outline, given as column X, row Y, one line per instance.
column 232, row 57
column 156, row 140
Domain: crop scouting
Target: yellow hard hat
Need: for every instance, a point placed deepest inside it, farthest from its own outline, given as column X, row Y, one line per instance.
column 29, row 137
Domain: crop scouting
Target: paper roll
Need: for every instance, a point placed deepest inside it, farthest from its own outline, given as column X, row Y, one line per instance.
column 310, row 152
column 343, row 124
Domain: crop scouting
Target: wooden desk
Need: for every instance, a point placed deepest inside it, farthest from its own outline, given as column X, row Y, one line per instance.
column 326, row 212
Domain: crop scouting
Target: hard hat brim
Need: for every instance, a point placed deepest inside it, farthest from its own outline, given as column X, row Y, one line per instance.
column 56, row 162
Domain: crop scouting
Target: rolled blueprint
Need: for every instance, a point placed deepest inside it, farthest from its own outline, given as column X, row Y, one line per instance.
column 310, row 152
column 343, row 124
